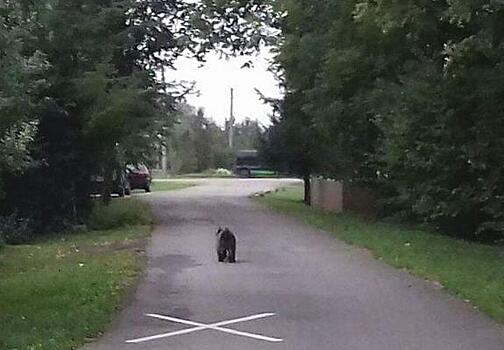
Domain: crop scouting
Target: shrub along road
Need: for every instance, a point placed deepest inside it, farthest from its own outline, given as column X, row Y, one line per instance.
column 324, row 293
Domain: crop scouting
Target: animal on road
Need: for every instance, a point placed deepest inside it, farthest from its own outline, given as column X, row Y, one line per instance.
column 226, row 245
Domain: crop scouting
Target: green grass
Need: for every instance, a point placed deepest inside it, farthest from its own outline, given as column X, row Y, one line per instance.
column 205, row 175
column 159, row 186
column 210, row 173
column 472, row 271
column 120, row 212
column 59, row 292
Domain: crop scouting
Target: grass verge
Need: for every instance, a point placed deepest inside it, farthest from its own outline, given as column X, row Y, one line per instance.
column 206, row 175
column 160, row 186
column 472, row 271
column 119, row 213
column 58, row 293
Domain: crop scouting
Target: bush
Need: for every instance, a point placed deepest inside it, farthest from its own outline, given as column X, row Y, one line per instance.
column 119, row 213
column 15, row 230
column 222, row 171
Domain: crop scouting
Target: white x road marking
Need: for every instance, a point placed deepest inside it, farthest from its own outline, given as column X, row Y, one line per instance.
column 201, row 326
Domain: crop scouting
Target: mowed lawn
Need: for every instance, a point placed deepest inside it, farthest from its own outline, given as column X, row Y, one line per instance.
column 171, row 185
column 472, row 271
column 61, row 292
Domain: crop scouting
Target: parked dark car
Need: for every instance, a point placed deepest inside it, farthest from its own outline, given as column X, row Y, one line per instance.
column 139, row 177
column 121, row 185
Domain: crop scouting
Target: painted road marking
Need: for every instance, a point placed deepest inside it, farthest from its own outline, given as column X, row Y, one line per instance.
column 214, row 326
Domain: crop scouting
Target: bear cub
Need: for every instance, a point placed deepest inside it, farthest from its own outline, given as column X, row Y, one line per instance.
column 226, row 245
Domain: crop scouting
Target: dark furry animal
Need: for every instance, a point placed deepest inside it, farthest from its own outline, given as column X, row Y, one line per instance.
column 226, row 245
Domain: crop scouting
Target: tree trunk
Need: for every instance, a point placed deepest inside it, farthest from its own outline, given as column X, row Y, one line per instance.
column 307, row 190
column 107, row 184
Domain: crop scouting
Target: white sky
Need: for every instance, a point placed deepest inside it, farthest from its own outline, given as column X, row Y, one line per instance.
column 217, row 76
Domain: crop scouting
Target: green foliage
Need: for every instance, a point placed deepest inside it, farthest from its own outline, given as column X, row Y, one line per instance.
column 21, row 80
column 14, row 146
column 324, row 72
column 441, row 119
column 247, row 134
column 162, row 186
column 404, row 97
column 79, row 93
column 119, row 213
column 196, row 144
column 15, row 230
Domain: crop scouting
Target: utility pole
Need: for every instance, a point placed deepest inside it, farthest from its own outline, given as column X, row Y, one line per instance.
column 231, row 122
column 164, row 153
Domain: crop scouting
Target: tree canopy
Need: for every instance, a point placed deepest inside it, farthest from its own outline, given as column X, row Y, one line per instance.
column 403, row 97
column 79, row 93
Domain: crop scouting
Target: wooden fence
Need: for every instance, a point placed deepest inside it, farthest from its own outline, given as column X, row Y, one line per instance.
column 337, row 197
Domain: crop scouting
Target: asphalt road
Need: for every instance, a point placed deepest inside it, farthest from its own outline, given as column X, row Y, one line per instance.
column 323, row 293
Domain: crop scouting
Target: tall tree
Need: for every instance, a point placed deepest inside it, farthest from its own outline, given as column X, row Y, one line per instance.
column 21, row 79
column 404, row 96
column 442, row 121
column 102, row 105
column 247, row 134
column 197, row 143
